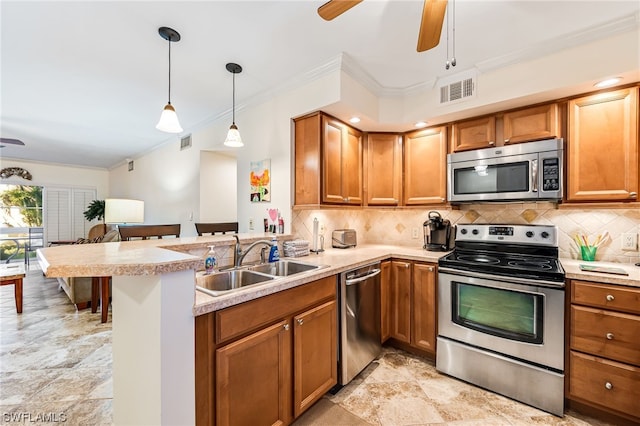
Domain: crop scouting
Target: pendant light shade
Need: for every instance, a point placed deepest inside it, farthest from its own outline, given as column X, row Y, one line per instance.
column 169, row 119
column 233, row 136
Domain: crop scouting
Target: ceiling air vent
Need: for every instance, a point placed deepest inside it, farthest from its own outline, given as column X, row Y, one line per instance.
column 458, row 90
column 185, row 142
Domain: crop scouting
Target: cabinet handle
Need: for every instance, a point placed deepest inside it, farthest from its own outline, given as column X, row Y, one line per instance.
column 492, row 143
column 608, row 385
column 610, row 298
column 610, row 336
column 443, row 199
column 300, row 321
column 430, row 268
column 633, row 194
column 286, row 326
column 406, row 265
column 506, row 141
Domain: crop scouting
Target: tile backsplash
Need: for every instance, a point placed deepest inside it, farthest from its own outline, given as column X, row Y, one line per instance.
column 391, row 226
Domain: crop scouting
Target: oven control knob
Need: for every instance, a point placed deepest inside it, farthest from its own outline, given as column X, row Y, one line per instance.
column 544, row 234
column 474, row 232
column 529, row 234
column 463, row 231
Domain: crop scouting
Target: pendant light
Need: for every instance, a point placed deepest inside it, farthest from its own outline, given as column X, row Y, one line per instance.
column 169, row 119
column 233, row 137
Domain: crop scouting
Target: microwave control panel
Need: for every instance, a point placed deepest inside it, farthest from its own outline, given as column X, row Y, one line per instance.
column 551, row 174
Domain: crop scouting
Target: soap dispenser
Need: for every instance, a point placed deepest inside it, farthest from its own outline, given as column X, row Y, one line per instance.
column 274, row 255
column 210, row 262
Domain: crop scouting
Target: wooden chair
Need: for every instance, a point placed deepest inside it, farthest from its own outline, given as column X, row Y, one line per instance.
column 144, row 232
column 212, row 228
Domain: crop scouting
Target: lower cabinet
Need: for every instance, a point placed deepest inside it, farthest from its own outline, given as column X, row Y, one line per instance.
column 604, row 349
column 267, row 360
column 410, row 308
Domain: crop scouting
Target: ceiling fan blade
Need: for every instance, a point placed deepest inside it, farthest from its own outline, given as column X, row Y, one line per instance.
column 334, row 8
column 10, row 141
column 431, row 24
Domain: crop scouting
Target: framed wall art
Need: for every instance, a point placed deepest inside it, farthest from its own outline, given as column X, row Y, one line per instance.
column 260, row 181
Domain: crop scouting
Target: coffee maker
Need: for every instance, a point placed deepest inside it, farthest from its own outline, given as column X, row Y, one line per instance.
column 437, row 233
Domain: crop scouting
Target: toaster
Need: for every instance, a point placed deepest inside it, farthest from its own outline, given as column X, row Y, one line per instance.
column 343, row 238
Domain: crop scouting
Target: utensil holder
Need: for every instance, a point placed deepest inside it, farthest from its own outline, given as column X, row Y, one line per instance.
column 588, row 253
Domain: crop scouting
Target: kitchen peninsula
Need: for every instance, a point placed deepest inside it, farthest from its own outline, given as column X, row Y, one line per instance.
column 155, row 303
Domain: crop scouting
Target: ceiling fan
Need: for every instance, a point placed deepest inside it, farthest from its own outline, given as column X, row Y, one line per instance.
column 10, row 141
column 430, row 27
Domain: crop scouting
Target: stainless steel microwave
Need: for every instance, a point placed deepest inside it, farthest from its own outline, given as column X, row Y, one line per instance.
column 526, row 171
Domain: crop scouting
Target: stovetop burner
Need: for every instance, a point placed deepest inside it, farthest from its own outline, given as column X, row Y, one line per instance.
column 478, row 258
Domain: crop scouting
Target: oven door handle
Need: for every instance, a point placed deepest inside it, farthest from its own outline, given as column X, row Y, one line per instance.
column 534, row 175
column 527, row 281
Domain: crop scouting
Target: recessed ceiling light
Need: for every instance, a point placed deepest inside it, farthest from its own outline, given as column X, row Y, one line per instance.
column 354, row 120
column 421, row 124
column 608, row 82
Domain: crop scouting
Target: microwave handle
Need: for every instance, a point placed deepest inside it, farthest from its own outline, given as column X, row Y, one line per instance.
column 534, row 175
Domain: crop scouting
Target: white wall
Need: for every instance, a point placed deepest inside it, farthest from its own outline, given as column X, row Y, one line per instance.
column 45, row 174
column 218, row 187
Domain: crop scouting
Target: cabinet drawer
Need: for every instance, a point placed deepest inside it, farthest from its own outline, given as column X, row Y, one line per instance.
column 617, row 298
column 241, row 319
column 605, row 383
column 605, row 333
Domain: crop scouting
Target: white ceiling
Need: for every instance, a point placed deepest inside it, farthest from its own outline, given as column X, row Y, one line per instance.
column 84, row 82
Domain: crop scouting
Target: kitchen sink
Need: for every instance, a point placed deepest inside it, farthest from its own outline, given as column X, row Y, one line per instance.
column 283, row 268
column 222, row 282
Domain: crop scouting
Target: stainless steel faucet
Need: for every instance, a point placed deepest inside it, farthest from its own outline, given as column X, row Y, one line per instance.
column 239, row 255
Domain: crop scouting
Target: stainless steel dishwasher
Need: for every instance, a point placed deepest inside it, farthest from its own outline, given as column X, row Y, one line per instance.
column 359, row 320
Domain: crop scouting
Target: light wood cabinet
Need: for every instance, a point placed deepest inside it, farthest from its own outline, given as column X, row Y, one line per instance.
column 383, row 169
column 530, row 124
column 328, row 161
column 385, row 300
column 412, row 310
column 425, row 166
column 603, row 153
column 341, row 163
column 267, row 360
column 604, row 350
column 474, row 134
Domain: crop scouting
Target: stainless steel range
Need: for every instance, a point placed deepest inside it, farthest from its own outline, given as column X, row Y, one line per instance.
column 501, row 312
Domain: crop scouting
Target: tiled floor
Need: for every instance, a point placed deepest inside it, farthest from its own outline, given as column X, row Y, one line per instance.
column 55, row 366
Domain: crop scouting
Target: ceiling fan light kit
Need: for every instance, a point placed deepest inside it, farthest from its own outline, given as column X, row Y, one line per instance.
column 169, row 119
column 233, row 136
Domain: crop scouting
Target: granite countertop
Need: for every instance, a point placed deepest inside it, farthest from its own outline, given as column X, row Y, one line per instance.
column 572, row 271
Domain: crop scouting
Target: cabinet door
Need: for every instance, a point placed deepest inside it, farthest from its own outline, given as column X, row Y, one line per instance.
column 385, row 299
column 307, row 160
column 400, row 306
column 474, row 134
column 341, row 163
column 315, row 355
column 253, row 378
column 425, row 166
column 531, row 124
column 424, row 312
column 603, row 147
column 384, row 169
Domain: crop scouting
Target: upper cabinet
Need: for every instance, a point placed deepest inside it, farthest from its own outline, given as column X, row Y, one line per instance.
column 531, row 124
column 603, row 147
column 328, row 161
column 383, row 169
column 474, row 134
column 425, row 166
column 341, row 163
column 524, row 125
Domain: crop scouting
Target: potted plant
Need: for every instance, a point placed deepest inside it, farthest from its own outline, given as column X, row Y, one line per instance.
column 95, row 210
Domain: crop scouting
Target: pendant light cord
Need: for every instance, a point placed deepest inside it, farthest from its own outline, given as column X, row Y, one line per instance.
column 453, row 61
column 233, row 110
column 169, row 70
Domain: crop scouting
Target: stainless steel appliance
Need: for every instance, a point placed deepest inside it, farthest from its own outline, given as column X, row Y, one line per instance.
column 526, row 171
column 359, row 320
column 437, row 233
column 343, row 238
column 501, row 312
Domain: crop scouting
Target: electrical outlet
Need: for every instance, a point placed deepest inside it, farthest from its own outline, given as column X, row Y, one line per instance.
column 250, row 224
column 415, row 233
column 321, row 230
column 630, row 241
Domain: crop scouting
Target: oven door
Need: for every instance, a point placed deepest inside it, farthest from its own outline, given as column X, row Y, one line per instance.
column 522, row 321
column 501, row 178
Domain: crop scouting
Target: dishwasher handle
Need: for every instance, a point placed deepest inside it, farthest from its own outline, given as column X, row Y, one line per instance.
column 371, row 274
